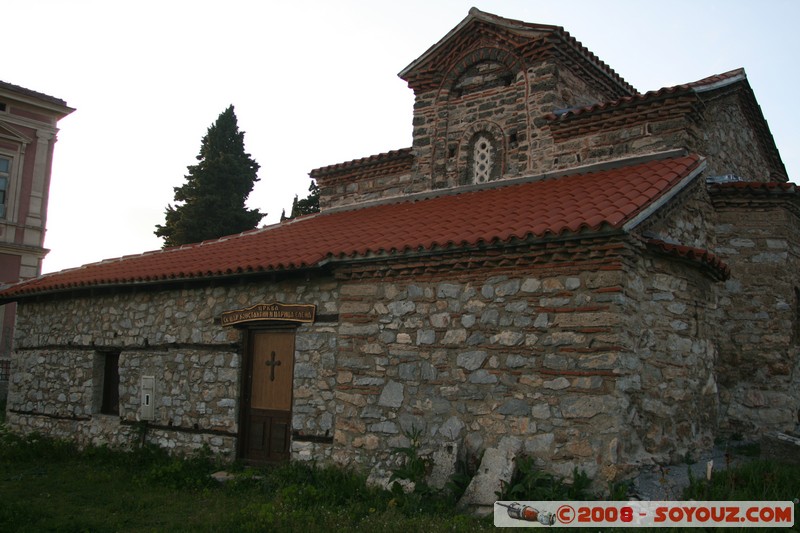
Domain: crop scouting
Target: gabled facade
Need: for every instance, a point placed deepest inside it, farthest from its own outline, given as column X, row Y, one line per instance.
column 28, row 127
column 559, row 266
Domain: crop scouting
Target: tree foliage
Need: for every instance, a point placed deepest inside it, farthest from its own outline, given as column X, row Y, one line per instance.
column 211, row 203
column 306, row 206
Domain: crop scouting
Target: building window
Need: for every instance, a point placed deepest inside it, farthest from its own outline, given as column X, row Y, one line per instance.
column 106, row 379
column 5, row 174
column 482, row 159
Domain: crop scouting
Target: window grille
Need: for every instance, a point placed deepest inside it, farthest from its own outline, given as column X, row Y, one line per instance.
column 483, row 160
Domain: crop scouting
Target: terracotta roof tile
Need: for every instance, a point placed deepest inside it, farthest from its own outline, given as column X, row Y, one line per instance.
column 699, row 255
column 699, row 86
column 570, row 204
column 756, row 193
column 755, row 187
column 404, row 154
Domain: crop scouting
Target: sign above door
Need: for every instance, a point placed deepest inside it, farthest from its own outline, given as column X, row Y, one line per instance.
column 273, row 312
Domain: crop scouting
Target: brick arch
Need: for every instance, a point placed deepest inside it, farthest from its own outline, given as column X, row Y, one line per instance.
column 495, row 134
column 511, row 61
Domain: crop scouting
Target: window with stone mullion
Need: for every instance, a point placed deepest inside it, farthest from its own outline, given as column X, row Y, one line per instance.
column 482, row 160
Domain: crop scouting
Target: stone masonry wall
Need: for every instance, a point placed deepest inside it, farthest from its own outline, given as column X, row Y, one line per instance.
column 173, row 336
column 358, row 188
column 513, row 115
column 673, row 387
column 757, row 326
column 688, row 220
column 444, row 127
column 373, row 178
column 539, row 356
column 728, row 140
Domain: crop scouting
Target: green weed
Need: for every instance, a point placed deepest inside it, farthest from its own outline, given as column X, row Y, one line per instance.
column 530, row 483
column 754, row 480
column 413, row 468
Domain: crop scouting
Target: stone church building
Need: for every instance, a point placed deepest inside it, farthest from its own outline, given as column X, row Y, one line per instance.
column 601, row 277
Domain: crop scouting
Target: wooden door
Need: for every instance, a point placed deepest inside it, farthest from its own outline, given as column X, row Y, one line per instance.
column 267, row 402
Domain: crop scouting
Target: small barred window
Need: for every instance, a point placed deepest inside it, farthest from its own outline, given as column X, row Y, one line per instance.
column 482, row 160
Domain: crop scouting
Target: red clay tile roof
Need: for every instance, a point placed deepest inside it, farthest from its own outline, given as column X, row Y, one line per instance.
column 386, row 162
column 755, row 187
column 699, row 255
column 578, row 203
column 705, row 84
column 756, row 193
column 371, row 160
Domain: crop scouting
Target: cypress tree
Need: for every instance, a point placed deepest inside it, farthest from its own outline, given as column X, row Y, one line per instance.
column 306, row 206
column 211, row 202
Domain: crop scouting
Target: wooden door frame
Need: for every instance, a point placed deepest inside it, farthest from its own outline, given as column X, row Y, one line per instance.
column 245, row 387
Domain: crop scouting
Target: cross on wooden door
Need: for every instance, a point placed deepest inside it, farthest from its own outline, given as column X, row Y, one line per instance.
column 272, row 363
column 265, row 434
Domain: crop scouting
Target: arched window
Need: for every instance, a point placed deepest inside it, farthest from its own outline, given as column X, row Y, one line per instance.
column 481, row 76
column 483, row 156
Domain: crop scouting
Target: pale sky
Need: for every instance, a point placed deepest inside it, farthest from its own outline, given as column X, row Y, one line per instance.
column 315, row 83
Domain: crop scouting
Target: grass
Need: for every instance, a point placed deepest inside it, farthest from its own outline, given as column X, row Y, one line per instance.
column 48, row 485
column 753, row 480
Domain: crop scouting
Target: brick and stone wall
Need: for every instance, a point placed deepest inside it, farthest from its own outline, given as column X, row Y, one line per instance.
column 689, row 219
column 480, row 357
column 728, row 138
column 378, row 177
column 759, row 345
column 723, row 134
column 753, row 316
column 672, row 355
column 559, row 357
column 445, row 121
column 173, row 335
